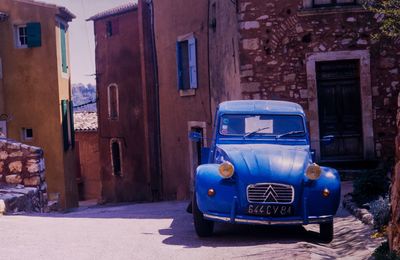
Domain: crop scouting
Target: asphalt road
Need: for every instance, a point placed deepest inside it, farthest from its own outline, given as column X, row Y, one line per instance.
column 165, row 231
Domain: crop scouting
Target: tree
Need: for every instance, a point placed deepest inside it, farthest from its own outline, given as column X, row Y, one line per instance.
column 387, row 13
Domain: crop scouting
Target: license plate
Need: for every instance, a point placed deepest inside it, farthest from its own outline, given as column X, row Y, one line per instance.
column 271, row 210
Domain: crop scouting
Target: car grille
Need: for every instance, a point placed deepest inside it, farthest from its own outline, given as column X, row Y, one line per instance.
column 270, row 193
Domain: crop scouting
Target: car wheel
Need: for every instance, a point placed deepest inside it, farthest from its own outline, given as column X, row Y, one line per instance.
column 326, row 231
column 203, row 227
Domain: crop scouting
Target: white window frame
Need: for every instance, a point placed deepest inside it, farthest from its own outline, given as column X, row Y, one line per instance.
column 18, row 42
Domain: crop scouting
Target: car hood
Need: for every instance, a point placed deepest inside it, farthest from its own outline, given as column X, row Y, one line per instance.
column 267, row 162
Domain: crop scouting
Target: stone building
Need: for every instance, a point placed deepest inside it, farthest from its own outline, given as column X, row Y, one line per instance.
column 320, row 54
column 127, row 104
column 35, row 89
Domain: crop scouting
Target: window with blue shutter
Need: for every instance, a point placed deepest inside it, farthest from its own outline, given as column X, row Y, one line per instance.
column 64, row 118
column 34, row 35
column 63, row 40
column 186, row 57
column 71, row 123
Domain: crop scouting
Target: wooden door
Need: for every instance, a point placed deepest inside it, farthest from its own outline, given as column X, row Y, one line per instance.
column 339, row 111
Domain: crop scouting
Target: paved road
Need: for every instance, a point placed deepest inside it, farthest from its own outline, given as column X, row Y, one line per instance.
column 165, row 231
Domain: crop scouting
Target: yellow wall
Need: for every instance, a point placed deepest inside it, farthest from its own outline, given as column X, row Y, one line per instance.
column 33, row 88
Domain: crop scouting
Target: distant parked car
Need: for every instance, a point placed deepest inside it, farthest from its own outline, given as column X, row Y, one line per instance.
column 261, row 171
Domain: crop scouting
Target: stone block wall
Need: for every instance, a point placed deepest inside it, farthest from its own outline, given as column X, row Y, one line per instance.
column 277, row 36
column 22, row 164
column 394, row 226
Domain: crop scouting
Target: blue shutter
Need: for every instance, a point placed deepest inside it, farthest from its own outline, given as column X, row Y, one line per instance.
column 192, row 62
column 71, row 120
column 34, row 35
column 179, row 65
column 63, row 48
column 64, row 118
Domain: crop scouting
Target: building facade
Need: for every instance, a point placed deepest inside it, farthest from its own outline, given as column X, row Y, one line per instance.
column 88, row 155
column 181, row 33
column 126, row 104
column 35, row 88
column 320, row 54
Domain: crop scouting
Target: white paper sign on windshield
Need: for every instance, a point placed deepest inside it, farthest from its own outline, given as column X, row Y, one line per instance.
column 254, row 124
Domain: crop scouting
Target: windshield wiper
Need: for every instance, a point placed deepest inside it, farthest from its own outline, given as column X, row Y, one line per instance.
column 256, row 131
column 289, row 133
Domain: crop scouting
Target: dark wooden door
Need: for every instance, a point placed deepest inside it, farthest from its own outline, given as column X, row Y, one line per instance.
column 339, row 107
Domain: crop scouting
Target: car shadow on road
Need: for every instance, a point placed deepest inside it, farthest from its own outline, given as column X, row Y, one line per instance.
column 351, row 236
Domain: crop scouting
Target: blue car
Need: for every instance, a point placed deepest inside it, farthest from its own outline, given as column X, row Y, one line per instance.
column 260, row 170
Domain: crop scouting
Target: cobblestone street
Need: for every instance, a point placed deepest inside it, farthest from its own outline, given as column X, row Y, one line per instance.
column 165, row 231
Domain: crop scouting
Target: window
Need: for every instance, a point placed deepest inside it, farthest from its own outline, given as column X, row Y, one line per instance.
column 28, row 35
column 27, row 134
column 22, row 37
column 113, row 102
column 321, row 3
column 109, row 30
column 187, row 63
column 63, row 41
column 116, row 157
column 3, row 129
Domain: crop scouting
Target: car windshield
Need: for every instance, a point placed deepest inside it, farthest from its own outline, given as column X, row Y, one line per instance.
column 264, row 125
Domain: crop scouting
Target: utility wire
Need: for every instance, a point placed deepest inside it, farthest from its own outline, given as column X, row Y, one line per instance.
column 85, row 104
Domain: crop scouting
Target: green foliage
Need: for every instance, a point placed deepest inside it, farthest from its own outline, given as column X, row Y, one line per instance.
column 380, row 209
column 388, row 16
column 370, row 185
column 383, row 253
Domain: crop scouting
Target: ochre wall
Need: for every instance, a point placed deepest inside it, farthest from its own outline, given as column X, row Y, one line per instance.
column 118, row 61
column 171, row 21
column 33, row 90
column 89, row 162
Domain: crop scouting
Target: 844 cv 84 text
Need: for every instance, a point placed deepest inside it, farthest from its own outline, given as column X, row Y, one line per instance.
column 260, row 170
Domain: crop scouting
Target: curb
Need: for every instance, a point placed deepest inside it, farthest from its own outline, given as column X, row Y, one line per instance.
column 360, row 213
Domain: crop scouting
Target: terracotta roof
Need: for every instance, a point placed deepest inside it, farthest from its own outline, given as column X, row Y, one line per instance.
column 85, row 121
column 63, row 11
column 114, row 11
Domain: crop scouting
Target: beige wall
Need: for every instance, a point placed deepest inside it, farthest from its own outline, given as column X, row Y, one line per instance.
column 33, row 88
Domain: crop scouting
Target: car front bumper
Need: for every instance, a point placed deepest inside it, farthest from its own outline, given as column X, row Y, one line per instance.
column 254, row 220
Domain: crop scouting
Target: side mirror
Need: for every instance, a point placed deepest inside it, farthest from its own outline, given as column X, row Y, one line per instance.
column 328, row 139
column 312, row 155
column 195, row 136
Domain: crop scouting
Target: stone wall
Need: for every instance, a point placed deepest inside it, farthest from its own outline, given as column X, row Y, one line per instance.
column 277, row 36
column 394, row 227
column 22, row 168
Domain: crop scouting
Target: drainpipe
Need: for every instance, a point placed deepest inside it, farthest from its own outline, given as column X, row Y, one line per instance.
column 157, row 99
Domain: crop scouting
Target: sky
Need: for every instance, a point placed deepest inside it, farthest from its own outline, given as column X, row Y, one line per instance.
column 82, row 47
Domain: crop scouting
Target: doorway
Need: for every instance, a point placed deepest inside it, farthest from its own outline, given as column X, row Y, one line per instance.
column 339, row 109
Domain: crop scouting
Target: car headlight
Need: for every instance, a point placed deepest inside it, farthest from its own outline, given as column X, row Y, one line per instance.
column 313, row 171
column 226, row 170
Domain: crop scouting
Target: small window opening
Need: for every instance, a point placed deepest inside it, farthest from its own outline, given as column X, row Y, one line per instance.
column 116, row 158
column 27, row 134
column 109, row 28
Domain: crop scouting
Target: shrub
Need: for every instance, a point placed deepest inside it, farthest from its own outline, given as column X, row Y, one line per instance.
column 380, row 209
column 370, row 185
column 383, row 253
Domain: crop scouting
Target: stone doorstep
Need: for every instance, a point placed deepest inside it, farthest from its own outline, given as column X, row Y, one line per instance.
column 15, row 199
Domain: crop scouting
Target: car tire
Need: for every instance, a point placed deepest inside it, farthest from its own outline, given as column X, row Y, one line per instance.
column 203, row 227
column 326, row 231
